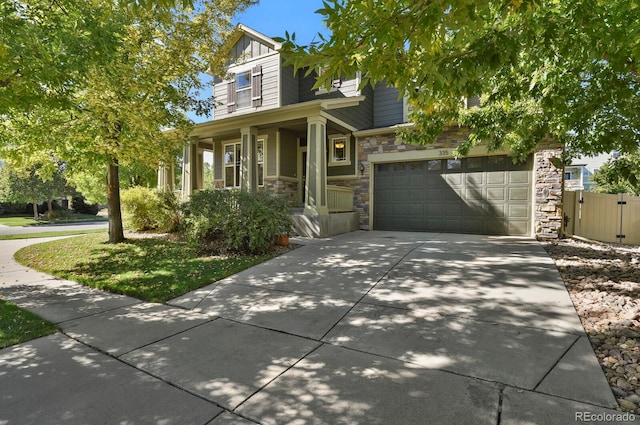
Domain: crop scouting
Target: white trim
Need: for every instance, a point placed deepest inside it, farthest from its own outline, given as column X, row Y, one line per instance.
column 262, row 139
column 273, row 115
column 433, row 153
column 299, row 170
column 256, row 34
column 225, row 166
column 347, row 150
column 250, row 62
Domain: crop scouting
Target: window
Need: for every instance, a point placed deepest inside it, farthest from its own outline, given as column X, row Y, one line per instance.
column 232, row 158
column 339, row 151
column 454, row 164
column 260, row 161
column 243, row 89
column 567, row 175
column 434, row 165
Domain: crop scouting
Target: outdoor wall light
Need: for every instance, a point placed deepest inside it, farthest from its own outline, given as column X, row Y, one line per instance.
column 361, row 168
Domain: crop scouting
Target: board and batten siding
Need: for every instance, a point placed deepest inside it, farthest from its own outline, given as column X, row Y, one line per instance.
column 387, row 107
column 270, row 87
column 248, row 48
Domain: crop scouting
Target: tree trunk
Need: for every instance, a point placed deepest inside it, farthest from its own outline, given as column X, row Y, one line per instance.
column 50, row 207
column 116, row 232
column 35, row 210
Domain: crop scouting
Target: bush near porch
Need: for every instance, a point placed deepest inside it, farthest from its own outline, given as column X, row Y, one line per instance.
column 144, row 209
column 235, row 222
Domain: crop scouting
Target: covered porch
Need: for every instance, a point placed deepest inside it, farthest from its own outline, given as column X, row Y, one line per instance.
column 293, row 151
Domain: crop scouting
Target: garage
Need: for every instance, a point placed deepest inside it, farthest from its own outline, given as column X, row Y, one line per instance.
column 482, row 195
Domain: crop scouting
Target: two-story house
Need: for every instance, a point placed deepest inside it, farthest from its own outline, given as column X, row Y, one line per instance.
column 335, row 156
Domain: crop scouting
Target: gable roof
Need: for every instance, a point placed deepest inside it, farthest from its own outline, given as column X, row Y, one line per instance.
column 256, row 35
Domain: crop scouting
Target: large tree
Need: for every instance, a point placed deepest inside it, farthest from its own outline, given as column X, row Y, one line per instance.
column 561, row 68
column 117, row 113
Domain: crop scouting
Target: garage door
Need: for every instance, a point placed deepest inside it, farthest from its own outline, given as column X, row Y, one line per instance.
column 484, row 195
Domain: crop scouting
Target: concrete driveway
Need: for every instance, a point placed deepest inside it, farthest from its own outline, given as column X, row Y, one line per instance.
column 368, row 327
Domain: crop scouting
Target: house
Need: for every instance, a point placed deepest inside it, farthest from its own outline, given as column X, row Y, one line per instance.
column 334, row 155
column 579, row 175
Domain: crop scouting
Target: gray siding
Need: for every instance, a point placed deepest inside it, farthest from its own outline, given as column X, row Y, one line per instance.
column 349, row 88
column 270, row 88
column 288, row 154
column 305, row 84
column 271, row 154
column 361, row 116
column 289, row 86
column 218, row 161
column 387, row 107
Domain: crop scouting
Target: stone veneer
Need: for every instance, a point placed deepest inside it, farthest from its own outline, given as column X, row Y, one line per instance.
column 288, row 189
column 548, row 179
column 548, row 192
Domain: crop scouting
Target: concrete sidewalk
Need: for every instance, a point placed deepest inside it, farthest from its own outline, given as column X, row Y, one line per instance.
column 368, row 327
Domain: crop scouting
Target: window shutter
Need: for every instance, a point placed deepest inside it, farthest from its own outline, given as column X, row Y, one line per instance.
column 256, row 86
column 231, row 95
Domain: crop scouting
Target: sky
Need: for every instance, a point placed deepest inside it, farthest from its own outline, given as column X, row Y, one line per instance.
column 273, row 17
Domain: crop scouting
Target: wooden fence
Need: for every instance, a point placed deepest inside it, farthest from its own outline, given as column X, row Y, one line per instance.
column 602, row 217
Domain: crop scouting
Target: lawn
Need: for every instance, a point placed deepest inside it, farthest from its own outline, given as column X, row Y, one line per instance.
column 21, row 221
column 151, row 269
column 18, row 325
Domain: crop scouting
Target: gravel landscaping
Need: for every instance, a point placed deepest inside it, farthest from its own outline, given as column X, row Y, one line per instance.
column 604, row 283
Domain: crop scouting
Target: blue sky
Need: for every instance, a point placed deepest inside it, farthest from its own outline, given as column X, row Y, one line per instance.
column 274, row 17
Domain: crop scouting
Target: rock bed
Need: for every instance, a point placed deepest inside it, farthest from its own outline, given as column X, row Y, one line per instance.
column 604, row 284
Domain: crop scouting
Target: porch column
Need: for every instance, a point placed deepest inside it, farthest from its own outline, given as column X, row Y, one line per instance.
column 189, row 172
column 248, row 165
column 316, row 187
column 165, row 177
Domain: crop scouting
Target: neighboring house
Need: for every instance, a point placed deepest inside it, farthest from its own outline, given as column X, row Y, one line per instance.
column 579, row 175
column 336, row 158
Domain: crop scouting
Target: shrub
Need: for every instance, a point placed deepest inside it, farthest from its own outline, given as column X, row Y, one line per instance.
column 147, row 209
column 225, row 221
column 80, row 206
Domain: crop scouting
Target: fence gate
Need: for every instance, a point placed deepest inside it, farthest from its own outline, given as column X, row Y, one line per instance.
column 602, row 217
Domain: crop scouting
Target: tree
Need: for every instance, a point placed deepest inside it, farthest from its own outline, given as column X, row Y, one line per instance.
column 27, row 186
column 118, row 114
column 621, row 175
column 566, row 69
column 46, row 47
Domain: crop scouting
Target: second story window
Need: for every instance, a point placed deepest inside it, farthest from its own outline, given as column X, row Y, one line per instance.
column 245, row 89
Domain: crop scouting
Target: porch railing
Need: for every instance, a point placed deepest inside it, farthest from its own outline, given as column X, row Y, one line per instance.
column 339, row 198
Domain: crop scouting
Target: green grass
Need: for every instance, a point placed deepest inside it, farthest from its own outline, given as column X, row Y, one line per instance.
column 21, row 221
column 50, row 234
column 153, row 270
column 18, row 325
